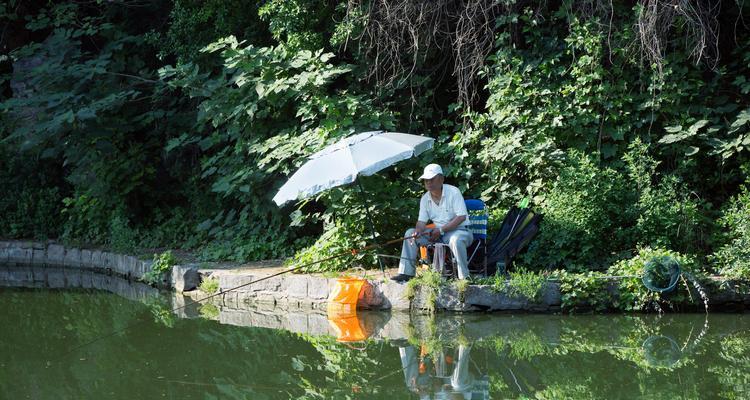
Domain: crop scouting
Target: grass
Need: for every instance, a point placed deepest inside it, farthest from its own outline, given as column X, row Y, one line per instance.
column 428, row 282
column 210, row 285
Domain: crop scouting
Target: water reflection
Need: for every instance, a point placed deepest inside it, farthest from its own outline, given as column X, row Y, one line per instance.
column 442, row 373
column 220, row 351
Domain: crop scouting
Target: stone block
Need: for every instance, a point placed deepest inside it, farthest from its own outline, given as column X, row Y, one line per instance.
column 39, row 257
column 230, row 281
column 86, row 258
column 276, row 284
column 4, row 253
column 109, row 261
column 55, row 255
column 551, row 294
column 72, row 258
column 485, row 297
column 143, row 268
column 449, row 299
column 296, row 286
column 97, row 262
column 118, row 264
column 131, row 265
column 4, row 244
column 319, row 288
column 246, row 298
column 231, row 299
column 185, row 277
column 394, row 295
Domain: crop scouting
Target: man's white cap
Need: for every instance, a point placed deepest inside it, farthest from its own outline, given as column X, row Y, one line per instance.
column 431, row 171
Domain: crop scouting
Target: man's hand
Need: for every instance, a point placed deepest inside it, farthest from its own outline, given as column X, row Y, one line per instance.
column 434, row 235
column 419, row 229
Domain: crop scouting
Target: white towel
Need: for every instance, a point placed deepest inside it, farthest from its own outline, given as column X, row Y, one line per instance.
column 438, row 257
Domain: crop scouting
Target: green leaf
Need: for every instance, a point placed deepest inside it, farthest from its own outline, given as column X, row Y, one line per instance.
column 691, row 151
column 669, row 139
column 742, row 118
column 697, row 126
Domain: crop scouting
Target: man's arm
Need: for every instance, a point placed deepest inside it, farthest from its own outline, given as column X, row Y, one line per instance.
column 453, row 224
column 420, row 228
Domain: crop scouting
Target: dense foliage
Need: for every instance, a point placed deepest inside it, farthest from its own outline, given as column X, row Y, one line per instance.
column 173, row 123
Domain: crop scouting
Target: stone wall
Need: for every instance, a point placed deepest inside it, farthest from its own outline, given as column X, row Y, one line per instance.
column 309, row 292
column 53, row 255
column 290, row 291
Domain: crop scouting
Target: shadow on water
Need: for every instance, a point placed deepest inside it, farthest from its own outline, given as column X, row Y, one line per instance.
column 212, row 351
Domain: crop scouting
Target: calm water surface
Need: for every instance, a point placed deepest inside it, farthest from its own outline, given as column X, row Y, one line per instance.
column 449, row 357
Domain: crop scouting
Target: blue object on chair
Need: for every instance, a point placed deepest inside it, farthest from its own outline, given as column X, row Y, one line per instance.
column 477, row 218
column 477, row 253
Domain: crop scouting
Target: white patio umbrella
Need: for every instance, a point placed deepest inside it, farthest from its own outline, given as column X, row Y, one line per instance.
column 340, row 163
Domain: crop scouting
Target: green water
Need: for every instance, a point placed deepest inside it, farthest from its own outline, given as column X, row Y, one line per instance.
column 158, row 355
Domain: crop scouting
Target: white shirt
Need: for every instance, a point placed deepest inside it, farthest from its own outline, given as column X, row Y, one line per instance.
column 451, row 205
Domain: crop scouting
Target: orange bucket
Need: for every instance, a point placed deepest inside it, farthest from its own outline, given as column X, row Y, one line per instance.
column 345, row 294
column 342, row 309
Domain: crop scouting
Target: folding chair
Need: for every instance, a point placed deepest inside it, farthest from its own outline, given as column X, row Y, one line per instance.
column 476, row 253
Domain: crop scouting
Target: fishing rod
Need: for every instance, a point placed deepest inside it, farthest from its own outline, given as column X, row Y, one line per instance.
column 222, row 292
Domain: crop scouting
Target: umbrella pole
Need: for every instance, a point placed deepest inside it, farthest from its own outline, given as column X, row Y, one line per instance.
column 372, row 225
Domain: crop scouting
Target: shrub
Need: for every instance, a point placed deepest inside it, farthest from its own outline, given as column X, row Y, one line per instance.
column 733, row 258
column 586, row 291
column 334, row 241
column 588, row 203
column 122, row 237
column 163, row 263
column 584, row 205
column 667, row 215
column 86, row 219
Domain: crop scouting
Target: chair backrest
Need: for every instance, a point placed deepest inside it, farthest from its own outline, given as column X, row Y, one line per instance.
column 477, row 218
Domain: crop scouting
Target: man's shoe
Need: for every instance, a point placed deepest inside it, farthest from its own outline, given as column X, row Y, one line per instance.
column 401, row 278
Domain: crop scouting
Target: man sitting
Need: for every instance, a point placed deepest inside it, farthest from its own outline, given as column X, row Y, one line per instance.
column 444, row 205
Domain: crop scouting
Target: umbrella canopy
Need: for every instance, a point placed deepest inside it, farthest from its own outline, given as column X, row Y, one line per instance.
column 340, row 163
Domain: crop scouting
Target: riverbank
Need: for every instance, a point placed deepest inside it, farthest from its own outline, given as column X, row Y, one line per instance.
column 291, row 291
